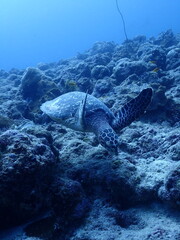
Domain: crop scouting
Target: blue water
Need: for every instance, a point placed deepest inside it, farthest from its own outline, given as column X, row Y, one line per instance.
column 33, row 31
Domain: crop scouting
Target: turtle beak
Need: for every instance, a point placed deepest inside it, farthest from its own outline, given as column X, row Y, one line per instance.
column 113, row 151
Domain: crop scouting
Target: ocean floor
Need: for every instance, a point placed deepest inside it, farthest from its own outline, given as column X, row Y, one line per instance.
column 153, row 221
column 61, row 184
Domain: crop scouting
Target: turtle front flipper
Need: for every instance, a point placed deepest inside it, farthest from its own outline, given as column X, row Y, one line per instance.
column 132, row 110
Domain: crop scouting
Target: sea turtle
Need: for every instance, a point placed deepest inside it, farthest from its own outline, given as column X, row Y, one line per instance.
column 83, row 112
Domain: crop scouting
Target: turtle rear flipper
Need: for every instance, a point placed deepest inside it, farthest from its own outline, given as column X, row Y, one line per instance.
column 132, row 110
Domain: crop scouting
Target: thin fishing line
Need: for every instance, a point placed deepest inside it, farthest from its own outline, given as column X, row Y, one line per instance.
column 124, row 26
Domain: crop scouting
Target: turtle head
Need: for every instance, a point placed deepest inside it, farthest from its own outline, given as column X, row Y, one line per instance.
column 98, row 122
column 108, row 139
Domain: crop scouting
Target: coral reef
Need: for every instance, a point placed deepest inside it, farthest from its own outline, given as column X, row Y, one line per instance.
column 26, row 169
column 62, row 184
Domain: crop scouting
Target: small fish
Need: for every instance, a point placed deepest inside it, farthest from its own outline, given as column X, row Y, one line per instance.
column 71, row 83
column 86, row 139
column 156, row 69
column 153, row 62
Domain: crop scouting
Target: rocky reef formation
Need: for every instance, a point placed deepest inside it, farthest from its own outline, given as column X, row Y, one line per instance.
column 62, row 184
